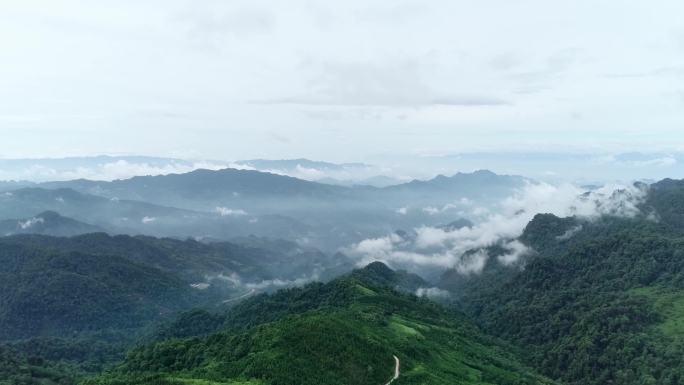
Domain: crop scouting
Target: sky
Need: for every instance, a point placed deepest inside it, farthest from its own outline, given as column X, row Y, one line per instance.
column 340, row 81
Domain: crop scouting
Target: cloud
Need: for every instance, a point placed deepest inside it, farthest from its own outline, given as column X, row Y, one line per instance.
column 658, row 162
column 279, row 283
column 226, row 212
column 516, row 249
column 212, row 25
column 30, row 223
column 571, row 233
column 472, row 262
column 666, row 71
column 460, row 204
column 333, row 114
column 338, row 173
column 41, row 170
column 432, row 293
column 504, row 61
column 146, row 219
column 554, row 66
column 358, row 84
column 638, row 160
column 235, row 280
column 464, row 248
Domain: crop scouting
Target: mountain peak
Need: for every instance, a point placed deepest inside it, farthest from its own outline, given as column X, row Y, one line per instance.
column 49, row 214
column 380, row 269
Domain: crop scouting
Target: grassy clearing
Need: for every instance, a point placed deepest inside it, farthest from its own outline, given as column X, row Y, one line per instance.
column 670, row 305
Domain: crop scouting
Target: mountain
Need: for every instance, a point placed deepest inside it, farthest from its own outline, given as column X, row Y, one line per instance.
column 135, row 217
column 52, row 293
column 340, row 174
column 207, row 189
column 353, row 330
column 90, row 282
column 483, row 186
column 251, row 202
column 221, row 264
column 97, row 210
column 71, row 306
column 594, row 301
column 8, row 185
column 379, row 181
column 224, row 204
column 17, row 368
column 47, row 223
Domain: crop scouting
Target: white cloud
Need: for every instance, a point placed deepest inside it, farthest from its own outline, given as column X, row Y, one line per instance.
column 516, row 250
column 227, row 212
column 42, row 170
column 147, row 219
column 279, row 283
column 471, row 262
column 638, row 160
column 571, row 233
column 27, row 224
column 444, row 248
column 235, row 280
column 460, row 204
column 432, row 293
column 658, row 162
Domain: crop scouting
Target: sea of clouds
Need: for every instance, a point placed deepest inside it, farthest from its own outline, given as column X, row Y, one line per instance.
column 464, row 249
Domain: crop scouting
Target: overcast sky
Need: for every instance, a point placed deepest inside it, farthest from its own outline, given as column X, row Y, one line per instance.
column 339, row 80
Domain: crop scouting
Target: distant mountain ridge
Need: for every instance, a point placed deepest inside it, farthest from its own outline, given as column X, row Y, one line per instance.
column 209, row 187
column 220, row 204
column 47, row 223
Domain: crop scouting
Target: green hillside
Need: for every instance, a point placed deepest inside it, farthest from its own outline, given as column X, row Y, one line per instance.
column 343, row 332
column 49, row 293
column 601, row 306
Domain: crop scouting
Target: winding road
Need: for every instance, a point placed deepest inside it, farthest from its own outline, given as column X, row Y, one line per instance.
column 396, row 370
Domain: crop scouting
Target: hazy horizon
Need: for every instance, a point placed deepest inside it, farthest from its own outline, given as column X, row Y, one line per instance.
column 579, row 168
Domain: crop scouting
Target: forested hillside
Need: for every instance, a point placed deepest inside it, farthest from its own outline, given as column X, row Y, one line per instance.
column 343, row 332
column 598, row 302
column 77, row 304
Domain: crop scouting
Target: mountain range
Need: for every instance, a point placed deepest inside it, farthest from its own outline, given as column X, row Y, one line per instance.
column 220, row 204
column 590, row 300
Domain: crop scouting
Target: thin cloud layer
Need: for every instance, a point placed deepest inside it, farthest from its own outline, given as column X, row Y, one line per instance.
column 41, row 170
